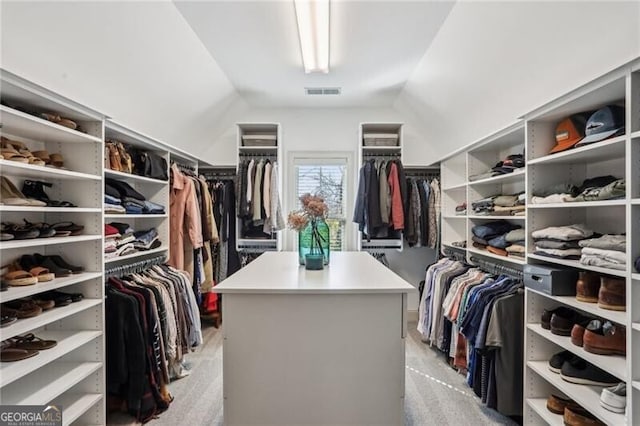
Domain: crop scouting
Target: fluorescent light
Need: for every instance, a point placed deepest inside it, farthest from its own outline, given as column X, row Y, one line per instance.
column 313, row 31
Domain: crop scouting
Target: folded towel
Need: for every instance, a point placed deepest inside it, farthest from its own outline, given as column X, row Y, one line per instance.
column 564, row 233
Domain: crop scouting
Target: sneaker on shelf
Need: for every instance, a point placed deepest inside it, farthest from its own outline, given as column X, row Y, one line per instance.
column 614, row 398
column 579, row 371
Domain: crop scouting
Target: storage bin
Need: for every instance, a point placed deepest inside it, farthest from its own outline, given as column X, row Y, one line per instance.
column 259, row 140
column 380, row 139
column 551, row 280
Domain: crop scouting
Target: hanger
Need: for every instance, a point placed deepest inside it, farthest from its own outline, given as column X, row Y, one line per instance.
column 135, row 267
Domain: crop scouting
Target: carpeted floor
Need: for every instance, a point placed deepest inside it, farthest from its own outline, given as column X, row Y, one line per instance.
column 435, row 393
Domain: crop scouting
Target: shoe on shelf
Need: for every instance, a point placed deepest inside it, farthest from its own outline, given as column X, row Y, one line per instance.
column 60, row 299
column 58, row 262
column 19, row 278
column 45, row 230
column 581, row 372
column 43, row 303
column 7, row 320
column 557, row 361
column 557, row 404
column 580, row 417
column 9, row 150
column 612, row 294
column 74, row 297
column 55, row 118
column 64, row 229
column 587, row 287
column 20, row 309
column 10, row 354
column 11, row 196
column 35, row 189
column 563, row 319
column 31, row 342
column 605, row 338
column 577, row 332
column 19, row 232
column 27, row 264
column 614, row 398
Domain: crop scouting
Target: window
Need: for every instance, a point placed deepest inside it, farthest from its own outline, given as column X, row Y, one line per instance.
column 326, row 177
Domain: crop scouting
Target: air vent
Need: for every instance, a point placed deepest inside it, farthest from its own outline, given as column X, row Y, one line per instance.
column 322, row 90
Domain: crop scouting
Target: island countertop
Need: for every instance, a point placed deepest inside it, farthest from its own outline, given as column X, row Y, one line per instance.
column 348, row 272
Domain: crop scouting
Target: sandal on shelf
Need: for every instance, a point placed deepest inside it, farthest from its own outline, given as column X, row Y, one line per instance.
column 11, row 195
column 45, row 304
column 28, row 263
column 19, row 232
column 46, row 262
column 46, row 230
column 55, row 118
column 11, row 354
column 9, row 151
column 21, row 309
column 57, row 160
column 31, row 342
column 19, row 278
column 70, row 227
column 42, row 155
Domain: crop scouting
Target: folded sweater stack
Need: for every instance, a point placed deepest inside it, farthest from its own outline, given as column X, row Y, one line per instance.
column 496, row 237
column 607, row 251
column 561, row 241
column 120, row 197
column 500, row 205
column 121, row 239
column 594, row 189
column 508, row 165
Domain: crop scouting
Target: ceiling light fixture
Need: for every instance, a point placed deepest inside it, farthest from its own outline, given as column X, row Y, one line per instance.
column 313, row 31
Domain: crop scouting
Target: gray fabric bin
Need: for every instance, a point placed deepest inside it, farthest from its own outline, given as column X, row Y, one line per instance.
column 551, row 280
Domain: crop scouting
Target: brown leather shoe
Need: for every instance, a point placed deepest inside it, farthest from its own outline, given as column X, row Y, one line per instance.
column 556, row 404
column 563, row 320
column 587, row 287
column 577, row 334
column 612, row 294
column 605, row 338
column 578, row 416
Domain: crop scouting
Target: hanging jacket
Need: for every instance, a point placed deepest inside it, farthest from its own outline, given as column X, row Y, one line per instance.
column 397, row 211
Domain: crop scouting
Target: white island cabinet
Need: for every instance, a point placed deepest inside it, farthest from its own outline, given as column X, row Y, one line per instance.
column 314, row 347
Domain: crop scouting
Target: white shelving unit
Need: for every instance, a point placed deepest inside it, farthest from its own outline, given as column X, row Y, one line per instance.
column 274, row 153
column 79, row 327
column 389, row 147
column 154, row 190
column 617, row 156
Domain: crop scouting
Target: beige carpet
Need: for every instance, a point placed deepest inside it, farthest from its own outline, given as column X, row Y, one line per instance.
column 435, row 394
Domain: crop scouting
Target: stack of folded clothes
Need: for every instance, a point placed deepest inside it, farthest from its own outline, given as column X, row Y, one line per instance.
column 607, row 251
column 500, row 205
column 113, row 205
column 118, row 241
column 492, row 236
column 121, row 193
column 594, row 189
column 508, row 165
column 516, row 239
column 561, row 241
column 461, row 209
column 146, row 240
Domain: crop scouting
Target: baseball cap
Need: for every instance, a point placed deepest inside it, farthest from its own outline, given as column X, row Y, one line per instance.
column 604, row 123
column 570, row 131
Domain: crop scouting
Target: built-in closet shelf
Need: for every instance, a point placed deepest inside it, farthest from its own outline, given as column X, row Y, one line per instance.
column 485, row 253
column 129, row 177
column 136, row 216
column 14, row 168
column 67, row 341
column 25, row 325
column 19, row 292
column 599, row 151
column 586, row 396
column 539, row 405
column 569, row 205
column 25, row 209
column 257, row 148
column 25, row 125
column 49, row 383
column 635, row 134
column 635, row 201
column 515, row 176
column 454, row 247
column 576, row 264
column 136, row 255
column 38, row 242
column 635, row 276
column 619, row 317
column 614, row 364
column 75, row 405
column 455, row 187
column 455, row 216
column 636, row 384
column 495, row 217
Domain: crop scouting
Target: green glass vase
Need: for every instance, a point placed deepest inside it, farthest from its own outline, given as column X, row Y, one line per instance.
column 314, row 240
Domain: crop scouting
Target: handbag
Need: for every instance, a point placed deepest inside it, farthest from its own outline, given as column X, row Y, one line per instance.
column 126, row 165
column 153, row 165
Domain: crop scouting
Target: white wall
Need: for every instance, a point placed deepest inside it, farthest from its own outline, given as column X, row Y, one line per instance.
column 138, row 62
column 492, row 62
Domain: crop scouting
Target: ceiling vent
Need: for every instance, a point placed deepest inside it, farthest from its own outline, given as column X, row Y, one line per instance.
column 322, row 90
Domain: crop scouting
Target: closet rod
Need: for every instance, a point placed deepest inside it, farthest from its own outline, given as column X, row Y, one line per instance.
column 496, row 268
column 455, row 255
column 135, row 267
column 257, row 155
column 376, row 155
column 185, row 167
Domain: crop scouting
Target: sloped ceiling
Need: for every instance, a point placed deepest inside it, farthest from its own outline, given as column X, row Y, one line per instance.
column 138, row 62
column 375, row 46
column 492, row 62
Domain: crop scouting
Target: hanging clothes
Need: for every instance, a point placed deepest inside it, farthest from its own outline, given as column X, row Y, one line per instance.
column 184, row 219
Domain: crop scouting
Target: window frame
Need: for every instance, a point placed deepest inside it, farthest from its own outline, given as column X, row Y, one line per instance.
column 295, row 158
